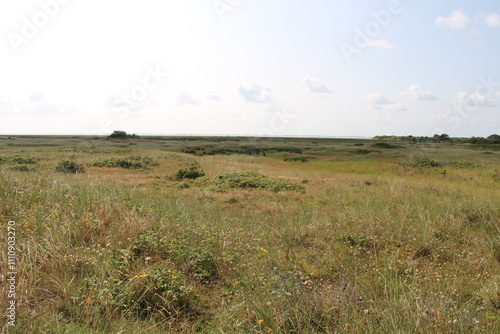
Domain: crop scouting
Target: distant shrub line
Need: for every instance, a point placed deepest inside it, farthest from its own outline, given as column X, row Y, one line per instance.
column 428, row 163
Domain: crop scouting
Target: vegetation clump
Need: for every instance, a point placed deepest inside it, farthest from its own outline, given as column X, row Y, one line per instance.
column 297, row 159
column 490, row 140
column 386, row 146
column 132, row 162
column 158, row 291
column 192, row 172
column 17, row 159
column 422, row 163
column 250, row 179
column 69, row 167
column 23, row 168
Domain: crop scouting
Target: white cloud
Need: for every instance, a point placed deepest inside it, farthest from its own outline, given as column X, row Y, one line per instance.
column 396, row 107
column 457, row 20
column 379, row 43
column 254, row 92
column 185, row 98
column 493, row 20
column 213, row 96
column 377, row 101
column 35, row 97
column 498, row 93
column 415, row 92
column 471, row 101
column 316, row 86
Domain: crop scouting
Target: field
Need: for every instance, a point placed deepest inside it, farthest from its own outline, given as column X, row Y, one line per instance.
column 248, row 235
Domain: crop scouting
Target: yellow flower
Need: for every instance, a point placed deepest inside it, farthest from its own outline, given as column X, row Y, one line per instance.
column 260, row 321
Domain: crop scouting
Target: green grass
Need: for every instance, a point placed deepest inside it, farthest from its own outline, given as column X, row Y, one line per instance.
column 350, row 244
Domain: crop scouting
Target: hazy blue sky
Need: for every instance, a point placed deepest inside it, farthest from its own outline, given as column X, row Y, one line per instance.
column 256, row 67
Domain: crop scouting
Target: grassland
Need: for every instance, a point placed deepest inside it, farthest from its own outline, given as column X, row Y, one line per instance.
column 358, row 237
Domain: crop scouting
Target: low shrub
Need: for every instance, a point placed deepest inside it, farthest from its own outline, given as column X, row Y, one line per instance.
column 462, row 164
column 192, row 172
column 69, row 167
column 421, row 163
column 386, row 146
column 22, row 168
column 363, row 151
column 132, row 162
column 297, row 159
column 17, row 159
column 250, row 179
column 158, row 290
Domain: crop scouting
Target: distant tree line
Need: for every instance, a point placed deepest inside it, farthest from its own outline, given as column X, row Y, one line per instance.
column 493, row 139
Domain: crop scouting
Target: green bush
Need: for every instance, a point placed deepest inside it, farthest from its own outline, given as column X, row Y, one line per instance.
column 150, row 243
column 204, row 265
column 462, row 164
column 363, row 151
column 158, row 290
column 132, row 162
column 386, row 146
column 69, row 167
column 298, row 159
column 192, row 172
column 250, row 179
column 421, row 163
column 17, row 159
column 22, row 168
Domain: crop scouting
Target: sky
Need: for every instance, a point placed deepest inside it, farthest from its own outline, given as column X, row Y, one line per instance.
column 250, row 67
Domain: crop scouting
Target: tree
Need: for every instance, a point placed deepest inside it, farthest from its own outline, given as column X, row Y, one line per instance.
column 494, row 139
column 444, row 137
column 118, row 134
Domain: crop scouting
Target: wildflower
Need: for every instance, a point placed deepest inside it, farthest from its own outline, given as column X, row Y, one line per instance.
column 260, row 321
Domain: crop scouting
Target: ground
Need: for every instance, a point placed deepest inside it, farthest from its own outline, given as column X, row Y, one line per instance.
column 257, row 235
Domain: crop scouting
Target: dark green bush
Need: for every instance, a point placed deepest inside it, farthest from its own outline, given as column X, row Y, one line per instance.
column 297, row 159
column 250, row 179
column 363, row 151
column 192, row 172
column 386, row 146
column 421, row 163
column 17, row 159
column 132, row 162
column 69, row 167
